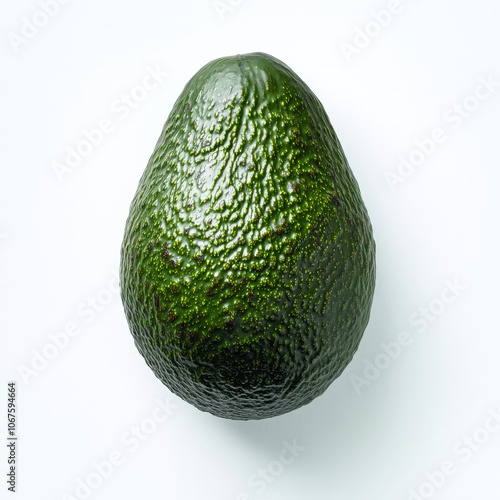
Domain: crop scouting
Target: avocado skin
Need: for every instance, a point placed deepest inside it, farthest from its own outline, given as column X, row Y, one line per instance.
column 248, row 261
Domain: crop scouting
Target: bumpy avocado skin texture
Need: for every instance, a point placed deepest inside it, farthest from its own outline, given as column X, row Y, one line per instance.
column 248, row 261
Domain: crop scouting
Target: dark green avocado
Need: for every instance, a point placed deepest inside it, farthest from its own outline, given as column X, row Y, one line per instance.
column 248, row 262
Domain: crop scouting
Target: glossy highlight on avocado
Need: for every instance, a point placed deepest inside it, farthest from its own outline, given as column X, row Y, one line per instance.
column 248, row 261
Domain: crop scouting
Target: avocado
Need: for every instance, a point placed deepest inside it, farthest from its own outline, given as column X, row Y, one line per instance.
column 247, row 266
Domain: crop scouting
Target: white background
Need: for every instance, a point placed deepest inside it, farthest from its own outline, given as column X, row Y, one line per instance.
column 385, row 427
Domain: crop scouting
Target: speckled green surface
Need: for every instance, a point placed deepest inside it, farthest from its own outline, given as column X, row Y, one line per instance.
column 248, row 261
